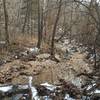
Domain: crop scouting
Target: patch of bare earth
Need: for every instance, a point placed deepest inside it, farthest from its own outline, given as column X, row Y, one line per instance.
column 43, row 70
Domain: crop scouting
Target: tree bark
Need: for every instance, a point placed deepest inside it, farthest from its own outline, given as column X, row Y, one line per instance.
column 6, row 22
column 54, row 29
column 26, row 17
column 39, row 26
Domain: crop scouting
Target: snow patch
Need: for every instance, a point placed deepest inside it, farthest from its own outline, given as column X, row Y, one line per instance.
column 67, row 97
column 49, row 86
column 6, row 88
column 97, row 91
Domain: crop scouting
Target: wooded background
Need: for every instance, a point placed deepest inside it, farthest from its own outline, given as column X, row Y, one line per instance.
column 47, row 19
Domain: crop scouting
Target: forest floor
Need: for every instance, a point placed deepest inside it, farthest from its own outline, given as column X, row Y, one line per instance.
column 72, row 68
column 43, row 69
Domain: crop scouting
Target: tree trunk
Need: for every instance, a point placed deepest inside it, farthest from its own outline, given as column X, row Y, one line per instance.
column 39, row 26
column 6, row 22
column 94, row 52
column 64, row 25
column 70, row 35
column 26, row 18
column 54, row 29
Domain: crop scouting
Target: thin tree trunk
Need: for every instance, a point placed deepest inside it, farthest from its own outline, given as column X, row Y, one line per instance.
column 39, row 26
column 25, row 21
column 31, row 22
column 6, row 22
column 42, row 23
column 64, row 25
column 94, row 52
column 94, row 48
column 71, row 23
column 62, row 35
column 54, row 29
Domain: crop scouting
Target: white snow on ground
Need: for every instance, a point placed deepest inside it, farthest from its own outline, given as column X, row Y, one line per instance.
column 77, row 82
column 6, row 88
column 46, row 98
column 33, row 50
column 49, row 86
column 97, row 91
column 34, row 93
column 2, row 42
column 33, row 89
column 67, row 97
column 90, row 86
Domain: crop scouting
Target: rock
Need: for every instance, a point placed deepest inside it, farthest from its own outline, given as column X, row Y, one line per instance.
column 28, row 57
column 43, row 56
column 54, row 59
column 57, row 57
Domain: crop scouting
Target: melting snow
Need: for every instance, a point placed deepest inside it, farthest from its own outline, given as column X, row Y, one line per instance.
column 77, row 82
column 67, row 97
column 34, row 93
column 49, row 86
column 90, row 86
column 34, row 50
column 46, row 98
column 97, row 91
column 6, row 88
column 33, row 90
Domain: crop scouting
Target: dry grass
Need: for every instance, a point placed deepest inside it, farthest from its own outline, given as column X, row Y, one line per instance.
column 20, row 42
column 28, row 41
column 24, row 40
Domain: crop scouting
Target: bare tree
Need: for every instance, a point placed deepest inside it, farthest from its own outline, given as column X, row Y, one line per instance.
column 94, row 6
column 6, row 22
column 71, row 22
column 40, row 24
column 54, row 28
column 28, row 15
